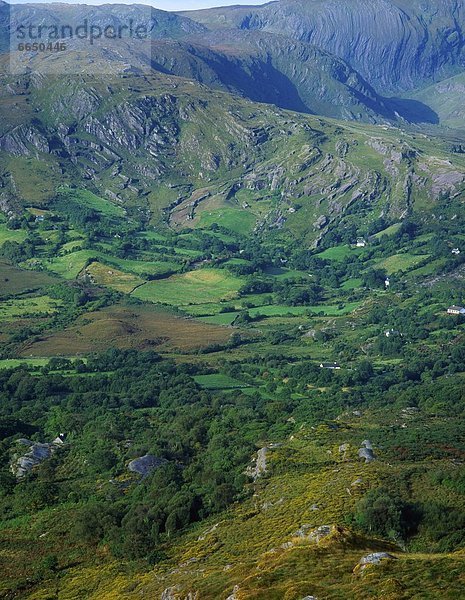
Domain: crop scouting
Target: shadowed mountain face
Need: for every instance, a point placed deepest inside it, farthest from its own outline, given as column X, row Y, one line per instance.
column 270, row 68
column 260, row 65
column 394, row 44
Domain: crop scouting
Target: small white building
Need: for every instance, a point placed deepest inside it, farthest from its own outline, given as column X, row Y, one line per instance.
column 334, row 366
column 456, row 310
column 361, row 243
column 456, row 251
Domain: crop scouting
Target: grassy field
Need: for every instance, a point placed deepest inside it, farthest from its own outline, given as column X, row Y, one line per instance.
column 351, row 284
column 392, row 230
column 113, row 278
column 239, row 221
column 70, row 265
column 196, row 287
column 90, row 200
column 279, row 310
column 18, row 308
column 151, row 267
column 429, row 269
column 338, row 253
column 218, row 381
column 220, row 319
column 401, row 262
column 329, row 310
column 11, row 235
column 72, row 246
column 12, row 363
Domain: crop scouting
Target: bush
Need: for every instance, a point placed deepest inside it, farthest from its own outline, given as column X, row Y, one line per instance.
column 384, row 514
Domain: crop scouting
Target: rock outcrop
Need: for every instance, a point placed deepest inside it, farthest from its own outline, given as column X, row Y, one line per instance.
column 23, row 463
column 374, row 559
column 395, row 45
column 146, row 464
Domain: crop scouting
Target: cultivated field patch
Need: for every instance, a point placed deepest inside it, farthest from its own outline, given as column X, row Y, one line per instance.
column 196, row 287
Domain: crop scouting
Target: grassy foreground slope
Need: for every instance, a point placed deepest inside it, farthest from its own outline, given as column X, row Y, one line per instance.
column 275, row 544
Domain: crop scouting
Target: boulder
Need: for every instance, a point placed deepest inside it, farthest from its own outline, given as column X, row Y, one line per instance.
column 144, row 465
column 367, row 454
column 233, row 596
column 376, row 558
column 37, row 452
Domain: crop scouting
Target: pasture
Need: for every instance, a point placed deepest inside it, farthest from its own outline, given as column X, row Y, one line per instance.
column 401, row 262
column 338, row 253
column 195, row 287
column 113, row 278
column 218, row 381
column 89, row 200
column 234, row 219
column 26, row 307
column 11, row 235
column 70, row 265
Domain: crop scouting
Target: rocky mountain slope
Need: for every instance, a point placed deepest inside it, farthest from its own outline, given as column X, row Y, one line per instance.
column 394, row 44
column 153, row 142
column 269, row 65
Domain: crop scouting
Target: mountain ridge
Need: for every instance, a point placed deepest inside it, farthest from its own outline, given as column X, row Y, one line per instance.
column 395, row 45
column 275, row 68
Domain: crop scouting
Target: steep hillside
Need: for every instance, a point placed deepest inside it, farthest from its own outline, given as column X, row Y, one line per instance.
column 160, row 23
column 261, row 66
column 298, row 76
column 446, row 99
column 153, row 142
column 394, row 44
column 265, row 68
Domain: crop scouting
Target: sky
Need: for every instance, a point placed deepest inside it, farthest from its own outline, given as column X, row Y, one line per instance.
column 162, row 4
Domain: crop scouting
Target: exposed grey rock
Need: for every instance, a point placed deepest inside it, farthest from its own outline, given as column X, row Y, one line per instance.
column 208, row 532
column 169, row 593
column 259, row 467
column 375, row 558
column 233, row 596
column 366, row 451
column 37, row 453
column 367, row 454
column 314, row 534
column 320, row 533
column 146, row 464
column 395, row 45
column 321, row 222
